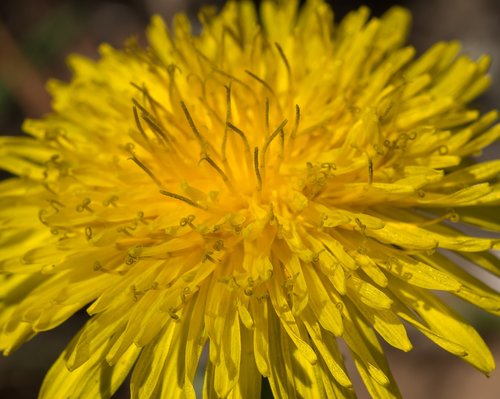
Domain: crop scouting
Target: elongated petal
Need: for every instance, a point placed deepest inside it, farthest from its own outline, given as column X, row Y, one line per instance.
column 446, row 323
column 95, row 378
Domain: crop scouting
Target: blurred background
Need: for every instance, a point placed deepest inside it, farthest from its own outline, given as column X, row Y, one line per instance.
column 37, row 35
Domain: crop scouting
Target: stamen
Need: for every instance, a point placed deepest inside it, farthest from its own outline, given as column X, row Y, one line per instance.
column 55, row 162
column 58, row 137
column 269, row 140
column 130, row 260
column 139, row 163
column 173, row 313
column 285, row 61
column 156, row 127
column 188, row 221
column 329, row 166
column 451, row 215
column 41, row 216
column 56, row 204
column 230, row 31
column 88, row 232
column 295, row 128
column 129, row 147
column 159, row 131
column 84, row 205
column 138, row 105
column 136, row 294
column 272, row 216
column 138, row 124
column 212, row 163
column 187, row 293
column 140, row 218
column 208, row 257
column 111, row 201
column 443, row 150
column 171, row 69
column 199, row 137
column 47, row 187
column 218, row 245
column 379, row 150
column 401, row 142
column 370, row 171
column 281, row 154
column 152, row 102
column 125, row 230
column 256, row 167
column 361, row 226
column 228, row 119
column 233, row 79
column 241, row 134
column 267, row 115
column 182, row 198
column 261, row 81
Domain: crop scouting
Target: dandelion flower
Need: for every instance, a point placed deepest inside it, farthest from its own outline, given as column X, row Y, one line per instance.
column 265, row 188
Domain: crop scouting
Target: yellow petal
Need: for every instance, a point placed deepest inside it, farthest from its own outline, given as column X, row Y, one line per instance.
column 446, row 323
column 471, row 289
column 328, row 350
column 420, row 274
column 289, row 322
column 367, row 293
column 410, row 236
column 149, row 372
column 387, row 324
column 369, row 358
column 291, row 375
column 95, row 378
column 227, row 370
column 321, row 304
column 249, row 382
column 261, row 337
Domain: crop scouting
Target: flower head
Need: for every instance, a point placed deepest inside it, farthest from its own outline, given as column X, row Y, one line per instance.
column 265, row 188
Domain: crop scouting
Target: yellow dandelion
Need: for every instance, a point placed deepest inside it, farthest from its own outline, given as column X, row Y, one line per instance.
column 266, row 188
